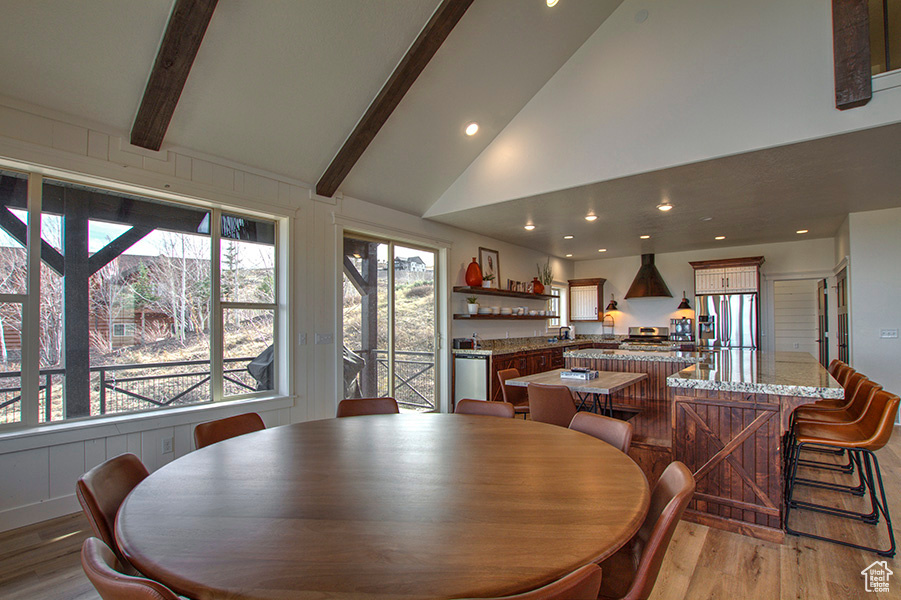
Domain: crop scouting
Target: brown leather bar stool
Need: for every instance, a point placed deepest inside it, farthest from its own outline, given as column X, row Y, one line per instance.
column 861, row 438
column 834, row 365
column 842, row 374
column 514, row 394
column 851, row 413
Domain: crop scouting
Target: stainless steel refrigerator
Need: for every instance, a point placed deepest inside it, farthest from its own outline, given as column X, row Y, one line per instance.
column 727, row 321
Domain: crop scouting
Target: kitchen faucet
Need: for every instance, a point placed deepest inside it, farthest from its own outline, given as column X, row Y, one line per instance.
column 560, row 335
column 475, row 341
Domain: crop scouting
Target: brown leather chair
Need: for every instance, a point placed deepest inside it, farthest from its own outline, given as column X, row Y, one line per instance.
column 851, row 386
column 224, row 429
column 581, row 584
column 861, row 439
column 516, row 395
column 834, row 365
column 607, row 429
column 105, row 572
column 353, row 407
column 630, row 573
column 551, row 404
column 467, row 406
column 101, row 491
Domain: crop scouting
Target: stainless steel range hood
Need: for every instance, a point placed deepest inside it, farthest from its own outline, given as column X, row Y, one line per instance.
column 648, row 283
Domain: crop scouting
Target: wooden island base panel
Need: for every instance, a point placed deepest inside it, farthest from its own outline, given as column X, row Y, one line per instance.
column 726, row 414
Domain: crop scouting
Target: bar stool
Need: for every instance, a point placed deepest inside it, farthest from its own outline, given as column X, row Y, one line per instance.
column 842, row 373
column 861, row 439
column 834, row 365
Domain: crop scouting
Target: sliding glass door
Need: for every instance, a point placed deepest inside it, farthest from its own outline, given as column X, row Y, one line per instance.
column 390, row 324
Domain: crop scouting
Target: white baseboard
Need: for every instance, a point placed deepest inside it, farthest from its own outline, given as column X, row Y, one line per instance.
column 30, row 514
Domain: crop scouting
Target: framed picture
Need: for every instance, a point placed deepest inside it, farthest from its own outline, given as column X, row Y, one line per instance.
column 488, row 262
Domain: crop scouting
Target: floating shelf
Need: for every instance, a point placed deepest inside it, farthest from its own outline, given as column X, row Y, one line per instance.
column 506, row 317
column 480, row 291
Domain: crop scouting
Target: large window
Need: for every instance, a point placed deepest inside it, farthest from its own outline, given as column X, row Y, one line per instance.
column 138, row 303
column 885, row 35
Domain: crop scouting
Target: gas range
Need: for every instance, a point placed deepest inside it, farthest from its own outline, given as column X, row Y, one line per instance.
column 648, row 338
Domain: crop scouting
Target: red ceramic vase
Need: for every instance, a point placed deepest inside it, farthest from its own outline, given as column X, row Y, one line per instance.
column 474, row 274
column 537, row 286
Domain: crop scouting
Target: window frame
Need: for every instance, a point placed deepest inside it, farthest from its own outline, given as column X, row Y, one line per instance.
column 30, row 302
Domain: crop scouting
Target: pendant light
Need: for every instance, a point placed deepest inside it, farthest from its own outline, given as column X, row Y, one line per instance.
column 684, row 304
column 612, row 305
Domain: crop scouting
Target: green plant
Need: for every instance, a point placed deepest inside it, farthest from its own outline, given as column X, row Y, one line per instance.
column 545, row 275
column 472, row 300
column 487, row 277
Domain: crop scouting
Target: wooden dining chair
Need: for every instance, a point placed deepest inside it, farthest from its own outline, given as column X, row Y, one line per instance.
column 101, row 491
column 607, row 429
column 486, row 408
column 220, row 430
column 631, row 572
column 581, row 584
column 354, row 407
column 516, row 395
column 106, row 573
column 551, row 404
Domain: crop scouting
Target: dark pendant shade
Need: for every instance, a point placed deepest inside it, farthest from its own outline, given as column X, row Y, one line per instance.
column 684, row 304
column 612, row 305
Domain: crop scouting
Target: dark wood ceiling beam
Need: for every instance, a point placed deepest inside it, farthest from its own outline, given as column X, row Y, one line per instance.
column 851, row 47
column 418, row 56
column 184, row 33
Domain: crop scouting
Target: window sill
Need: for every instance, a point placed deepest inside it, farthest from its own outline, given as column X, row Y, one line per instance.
column 887, row 81
column 100, row 427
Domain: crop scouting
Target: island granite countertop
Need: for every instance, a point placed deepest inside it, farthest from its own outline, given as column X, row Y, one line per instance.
column 748, row 371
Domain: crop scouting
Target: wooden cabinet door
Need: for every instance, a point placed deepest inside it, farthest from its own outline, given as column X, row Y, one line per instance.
column 584, row 303
column 710, row 281
column 741, row 279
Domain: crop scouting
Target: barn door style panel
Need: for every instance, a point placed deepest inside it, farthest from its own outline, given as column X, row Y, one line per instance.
column 731, row 443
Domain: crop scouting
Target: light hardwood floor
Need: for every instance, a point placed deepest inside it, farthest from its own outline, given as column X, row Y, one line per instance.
column 42, row 561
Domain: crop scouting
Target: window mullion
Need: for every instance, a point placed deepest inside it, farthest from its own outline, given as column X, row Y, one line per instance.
column 31, row 308
column 216, row 335
column 391, row 318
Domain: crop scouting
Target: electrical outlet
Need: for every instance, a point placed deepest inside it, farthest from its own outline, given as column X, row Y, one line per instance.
column 889, row 333
column 167, row 445
column 797, row 345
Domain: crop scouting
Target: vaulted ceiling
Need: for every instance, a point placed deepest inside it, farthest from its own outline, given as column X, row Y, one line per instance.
column 281, row 84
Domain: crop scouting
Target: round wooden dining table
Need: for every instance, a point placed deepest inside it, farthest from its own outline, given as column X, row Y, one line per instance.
column 384, row 506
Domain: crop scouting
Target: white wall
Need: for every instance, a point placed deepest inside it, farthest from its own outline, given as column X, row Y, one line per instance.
column 786, row 260
column 699, row 79
column 875, row 277
column 39, row 468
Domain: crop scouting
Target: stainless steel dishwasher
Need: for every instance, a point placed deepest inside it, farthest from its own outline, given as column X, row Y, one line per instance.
column 470, row 377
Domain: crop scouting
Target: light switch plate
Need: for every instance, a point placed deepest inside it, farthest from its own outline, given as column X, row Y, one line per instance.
column 167, row 445
column 324, row 338
column 302, row 339
column 889, row 333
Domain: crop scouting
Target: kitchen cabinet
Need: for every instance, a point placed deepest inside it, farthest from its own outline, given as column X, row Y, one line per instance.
column 728, row 276
column 528, row 362
column 586, row 297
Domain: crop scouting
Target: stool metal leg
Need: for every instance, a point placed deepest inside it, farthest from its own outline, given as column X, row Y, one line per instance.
column 871, row 477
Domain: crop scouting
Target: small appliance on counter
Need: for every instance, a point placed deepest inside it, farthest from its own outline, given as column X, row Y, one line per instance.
column 682, row 330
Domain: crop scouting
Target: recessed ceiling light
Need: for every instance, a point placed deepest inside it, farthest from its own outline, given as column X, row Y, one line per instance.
column 645, row 237
column 602, row 249
column 529, row 227
column 591, row 217
column 706, row 218
column 665, row 207
column 472, row 128
column 801, row 231
column 567, row 237
column 552, row 3
column 569, row 256
column 720, row 237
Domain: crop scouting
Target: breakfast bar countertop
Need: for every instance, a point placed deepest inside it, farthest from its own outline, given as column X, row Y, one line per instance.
column 673, row 356
column 745, row 371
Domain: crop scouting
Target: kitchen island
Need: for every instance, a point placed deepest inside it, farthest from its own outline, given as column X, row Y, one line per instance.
column 726, row 413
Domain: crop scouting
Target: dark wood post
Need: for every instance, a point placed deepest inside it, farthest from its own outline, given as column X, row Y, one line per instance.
column 76, row 302
column 851, row 48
